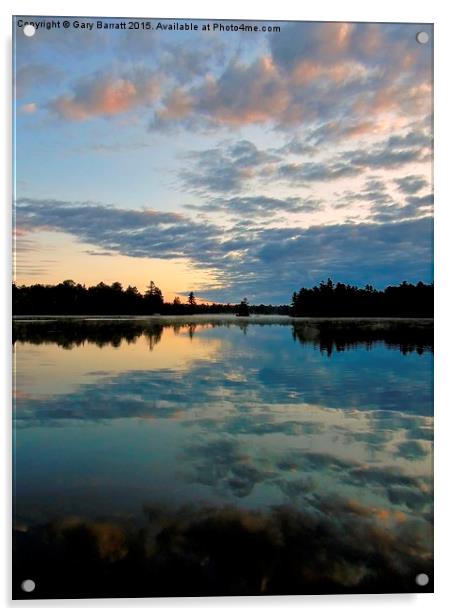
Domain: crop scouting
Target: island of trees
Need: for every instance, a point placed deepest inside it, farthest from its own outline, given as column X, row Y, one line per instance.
column 325, row 300
column 344, row 300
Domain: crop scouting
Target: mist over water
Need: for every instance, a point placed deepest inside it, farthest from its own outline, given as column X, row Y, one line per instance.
column 196, row 456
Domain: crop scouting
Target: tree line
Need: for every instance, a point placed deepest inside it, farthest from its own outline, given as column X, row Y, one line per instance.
column 329, row 299
column 326, row 299
column 70, row 298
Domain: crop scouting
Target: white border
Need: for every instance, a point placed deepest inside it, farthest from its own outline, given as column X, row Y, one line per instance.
column 426, row 11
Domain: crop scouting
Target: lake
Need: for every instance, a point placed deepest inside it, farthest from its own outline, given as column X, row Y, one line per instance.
column 198, row 455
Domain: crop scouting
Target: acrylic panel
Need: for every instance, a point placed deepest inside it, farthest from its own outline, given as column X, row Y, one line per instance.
column 222, row 307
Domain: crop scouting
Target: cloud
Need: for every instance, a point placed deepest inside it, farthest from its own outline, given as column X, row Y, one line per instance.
column 420, row 138
column 414, row 207
column 345, row 128
column 242, row 94
column 138, row 233
column 260, row 206
column 340, row 79
column 99, row 253
column 391, row 153
column 373, row 194
column 106, row 96
column 423, row 202
column 353, row 252
column 225, row 168
column 314, row 74
column 359, row 253
column 177, row 104
column 305, row 173
column 411, row 184
column 381, row 206
column 385, row 157
column 390, row 48
column 298, row 146
column 216, row 173
column 233, row 167
column 321, row 42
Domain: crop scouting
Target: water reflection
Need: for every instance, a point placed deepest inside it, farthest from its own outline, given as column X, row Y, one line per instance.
column 308, row 442
column 326, row 334
column 334, row 548
column 336, row 336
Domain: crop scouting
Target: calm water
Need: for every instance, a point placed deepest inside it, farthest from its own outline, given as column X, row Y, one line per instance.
column 223, row 457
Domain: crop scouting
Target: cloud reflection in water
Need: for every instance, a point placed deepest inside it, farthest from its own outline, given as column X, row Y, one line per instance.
column 320, row 463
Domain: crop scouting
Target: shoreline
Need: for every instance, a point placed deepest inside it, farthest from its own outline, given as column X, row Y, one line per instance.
column 225, row 317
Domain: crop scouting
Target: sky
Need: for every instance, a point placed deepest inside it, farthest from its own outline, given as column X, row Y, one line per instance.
column 230, row 164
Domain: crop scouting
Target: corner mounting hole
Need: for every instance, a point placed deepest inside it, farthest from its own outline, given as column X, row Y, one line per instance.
column 422, row 579
column 422, row 37
column 29, row 30
column 28, row 586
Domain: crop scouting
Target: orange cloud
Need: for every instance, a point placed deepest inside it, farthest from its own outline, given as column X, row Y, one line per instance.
column 242, row 95
column 105, row 97
column 328, row 41
column 316, row 73
column 397, row 98
column 177, row 105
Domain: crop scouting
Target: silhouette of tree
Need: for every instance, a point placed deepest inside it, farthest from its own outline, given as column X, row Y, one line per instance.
column 132, row 300
column 405, row 300
column 243, row 308
column 327, row 299
column 116, row 287
column 153, row 298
